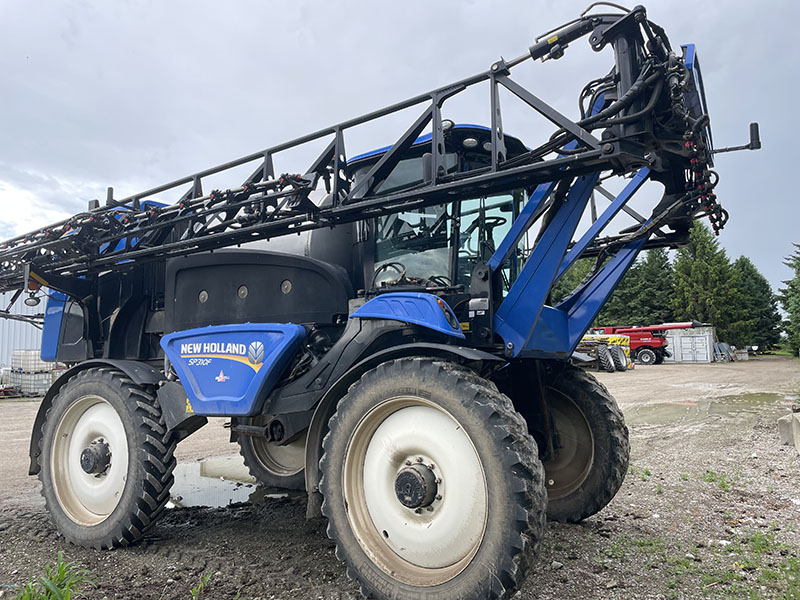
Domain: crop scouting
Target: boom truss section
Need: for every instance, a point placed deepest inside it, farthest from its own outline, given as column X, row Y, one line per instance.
column 647, row 116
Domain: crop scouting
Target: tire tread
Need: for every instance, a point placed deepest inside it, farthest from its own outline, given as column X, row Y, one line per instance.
column 156, row 451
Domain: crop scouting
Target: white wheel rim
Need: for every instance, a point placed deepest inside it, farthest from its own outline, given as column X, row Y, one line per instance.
column 87, row 498
column 567, row 472
column 281, row 460
column 425, row 546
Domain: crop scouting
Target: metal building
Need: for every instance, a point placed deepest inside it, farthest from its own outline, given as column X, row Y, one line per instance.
column 16, row 335
column 694, row 345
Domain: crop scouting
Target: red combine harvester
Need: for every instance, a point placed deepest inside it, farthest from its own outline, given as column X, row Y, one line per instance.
column 648, row 344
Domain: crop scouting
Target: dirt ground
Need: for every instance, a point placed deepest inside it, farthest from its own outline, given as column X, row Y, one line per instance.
column 710, row 508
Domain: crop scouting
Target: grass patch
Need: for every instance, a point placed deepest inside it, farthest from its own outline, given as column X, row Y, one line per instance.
column 197, row 590
column 723, row 480
column 61, row 581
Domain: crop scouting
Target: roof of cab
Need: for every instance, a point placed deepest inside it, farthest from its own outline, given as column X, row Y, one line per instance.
column 427, row 138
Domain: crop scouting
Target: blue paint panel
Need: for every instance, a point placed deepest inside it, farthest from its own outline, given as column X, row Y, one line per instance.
column 51, row 329
column 520, row 310
column 695, row 98
column 411, row 307
column 228, row 370
column 559, row 329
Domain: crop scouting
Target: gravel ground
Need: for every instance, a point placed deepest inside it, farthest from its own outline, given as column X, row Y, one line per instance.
column 710, row 508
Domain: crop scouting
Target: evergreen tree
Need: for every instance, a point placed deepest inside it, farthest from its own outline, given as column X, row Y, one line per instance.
column 762, row 322
column 654, row 289
column 641, row 298
column 570, row 280
column 623, row 306
column 790, row 299
column 705, row 289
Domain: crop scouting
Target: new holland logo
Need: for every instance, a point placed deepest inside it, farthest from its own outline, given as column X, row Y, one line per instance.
column 255, row 353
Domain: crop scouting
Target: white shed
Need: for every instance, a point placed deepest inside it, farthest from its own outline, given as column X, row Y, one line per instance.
column 691, row 345
column 17, row 335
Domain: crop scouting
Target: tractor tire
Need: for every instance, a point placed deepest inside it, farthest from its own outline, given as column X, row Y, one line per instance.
column 618, row 357
column 605, row 359
column 106, row 460
column 272, row 465
column 646, row 356
column 659, row 359
column 432, row 485
column 594, row 450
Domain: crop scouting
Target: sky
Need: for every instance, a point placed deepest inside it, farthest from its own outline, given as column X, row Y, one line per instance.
column 135, row 93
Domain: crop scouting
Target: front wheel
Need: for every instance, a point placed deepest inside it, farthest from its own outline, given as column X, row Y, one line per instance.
column 646, row 356
column 106, row 459
column 592, row 451
column 432, row 486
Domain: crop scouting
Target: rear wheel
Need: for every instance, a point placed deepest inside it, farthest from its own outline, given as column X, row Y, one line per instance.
column 273, row 465
column 619, row 358
column 659, row 358
column 593, row 448
column 605, row 359
column 106, row 460
column 431, row 483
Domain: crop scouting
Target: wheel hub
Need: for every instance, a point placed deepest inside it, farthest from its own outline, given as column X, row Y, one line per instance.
column 415, row 486
column 96, row 457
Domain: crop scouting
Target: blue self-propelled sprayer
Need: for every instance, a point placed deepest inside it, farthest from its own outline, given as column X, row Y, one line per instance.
column 380, row 328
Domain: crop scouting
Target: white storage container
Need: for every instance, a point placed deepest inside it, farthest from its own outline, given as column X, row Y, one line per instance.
column 29, row 361
column 31, row 384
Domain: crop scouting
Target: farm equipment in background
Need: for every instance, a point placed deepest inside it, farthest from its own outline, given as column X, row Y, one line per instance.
column 377, row 327
column 648, row 344
column 604, row 352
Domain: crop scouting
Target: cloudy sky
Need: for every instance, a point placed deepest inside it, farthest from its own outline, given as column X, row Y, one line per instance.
column 133, row 93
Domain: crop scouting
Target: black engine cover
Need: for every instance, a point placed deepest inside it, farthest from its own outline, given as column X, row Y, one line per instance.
column 253, row 286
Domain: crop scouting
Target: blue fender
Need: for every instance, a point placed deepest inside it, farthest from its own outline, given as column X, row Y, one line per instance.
column 426, row 310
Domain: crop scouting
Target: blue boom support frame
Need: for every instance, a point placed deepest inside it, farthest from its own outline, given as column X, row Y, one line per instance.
column 524, row 322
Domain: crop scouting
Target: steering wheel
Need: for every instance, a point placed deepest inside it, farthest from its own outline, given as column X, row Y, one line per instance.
column 440, row 280
column 493, row 222
column 395, row 266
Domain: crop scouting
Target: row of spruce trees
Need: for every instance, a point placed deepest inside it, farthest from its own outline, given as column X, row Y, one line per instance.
column 700, row 284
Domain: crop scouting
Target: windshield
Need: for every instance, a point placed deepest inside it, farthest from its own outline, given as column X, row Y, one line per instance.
column 441, row 245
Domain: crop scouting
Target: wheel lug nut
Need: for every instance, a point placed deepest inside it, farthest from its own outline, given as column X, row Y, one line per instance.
column 418, row 511
column 408, row 463
column 430, row 509
column 438, row 496
column 419, row 459
column 438, row 480
column 431, row 466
